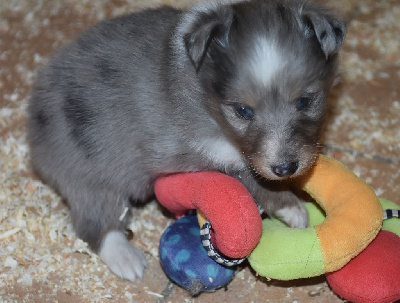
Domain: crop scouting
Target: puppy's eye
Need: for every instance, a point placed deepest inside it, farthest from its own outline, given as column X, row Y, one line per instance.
column 303, row 103
column 244, row 112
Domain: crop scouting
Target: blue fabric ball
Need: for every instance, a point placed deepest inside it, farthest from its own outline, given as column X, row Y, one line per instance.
column 185, row 260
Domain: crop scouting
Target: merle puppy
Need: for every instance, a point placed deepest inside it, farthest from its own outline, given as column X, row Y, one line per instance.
column 237, row 86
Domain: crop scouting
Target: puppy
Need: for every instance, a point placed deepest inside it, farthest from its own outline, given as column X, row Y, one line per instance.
column 237, row 86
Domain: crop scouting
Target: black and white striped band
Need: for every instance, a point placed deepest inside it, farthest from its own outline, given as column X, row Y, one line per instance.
column 205, row 235
column 391, row 213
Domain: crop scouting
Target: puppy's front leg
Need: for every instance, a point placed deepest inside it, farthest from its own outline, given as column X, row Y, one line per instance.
column 277, row 200
column 286, row 206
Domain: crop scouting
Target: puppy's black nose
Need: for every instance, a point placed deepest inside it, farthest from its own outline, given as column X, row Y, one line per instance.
column 286, row 169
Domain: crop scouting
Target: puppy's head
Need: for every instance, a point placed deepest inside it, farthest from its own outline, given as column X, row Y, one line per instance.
column 267, row 67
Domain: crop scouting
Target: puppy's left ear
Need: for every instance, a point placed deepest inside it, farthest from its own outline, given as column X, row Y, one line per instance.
column 329, row 30
column 203, row 26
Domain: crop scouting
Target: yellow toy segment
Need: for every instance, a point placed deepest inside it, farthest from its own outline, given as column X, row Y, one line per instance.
column 354, row 213
column 201, row 217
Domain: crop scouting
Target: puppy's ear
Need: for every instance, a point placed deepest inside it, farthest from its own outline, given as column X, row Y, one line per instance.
column 203, row 26
column 328, row 29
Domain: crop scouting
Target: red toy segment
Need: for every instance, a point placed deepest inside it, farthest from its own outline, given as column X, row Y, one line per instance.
column 374, row 275
column 227, row 204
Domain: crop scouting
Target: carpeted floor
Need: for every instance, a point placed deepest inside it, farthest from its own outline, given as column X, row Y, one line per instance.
column 40, row 258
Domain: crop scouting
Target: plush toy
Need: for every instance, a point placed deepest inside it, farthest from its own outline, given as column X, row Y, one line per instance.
column 225, row 202
column 342, row 241
column 236, row 228
column 353, row 219
column 185, row 260
column 374, row 275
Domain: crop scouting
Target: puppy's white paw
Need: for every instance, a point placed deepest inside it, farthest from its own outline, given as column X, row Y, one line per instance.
column 123, row 259
column 295, row 216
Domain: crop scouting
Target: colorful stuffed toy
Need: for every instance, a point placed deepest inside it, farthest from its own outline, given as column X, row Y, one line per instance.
column 362, row 265
column 374, row 275
column 236, row 227
column 185, row 260
column 226, row 203
column 353, row 219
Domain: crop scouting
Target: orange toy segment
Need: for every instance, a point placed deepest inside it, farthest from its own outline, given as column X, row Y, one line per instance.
column 354, row 213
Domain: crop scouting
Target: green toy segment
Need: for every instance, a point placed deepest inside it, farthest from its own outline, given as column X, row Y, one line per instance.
column 393, row 224
column 294, row 259
column 315, row 214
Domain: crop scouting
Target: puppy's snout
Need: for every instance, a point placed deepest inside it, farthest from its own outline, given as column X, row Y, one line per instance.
column 285, row 169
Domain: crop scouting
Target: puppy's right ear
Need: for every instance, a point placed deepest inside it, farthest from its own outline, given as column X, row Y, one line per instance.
column 204, row 25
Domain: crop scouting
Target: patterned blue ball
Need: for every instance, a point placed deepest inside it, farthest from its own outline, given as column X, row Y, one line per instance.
column 185, row 260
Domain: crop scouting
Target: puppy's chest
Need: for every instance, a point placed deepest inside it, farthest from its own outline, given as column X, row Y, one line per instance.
column 221, row 153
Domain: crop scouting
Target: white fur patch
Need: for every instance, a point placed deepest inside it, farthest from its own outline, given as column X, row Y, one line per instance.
column 268, row 157
column 221, row 152
column 272, row 149
column 123, row 259
column 266, row 61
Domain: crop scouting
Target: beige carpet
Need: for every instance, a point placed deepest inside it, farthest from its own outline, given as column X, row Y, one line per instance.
column 40, row 258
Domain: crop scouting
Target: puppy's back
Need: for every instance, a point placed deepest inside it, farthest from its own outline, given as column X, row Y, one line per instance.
column 86, row 96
